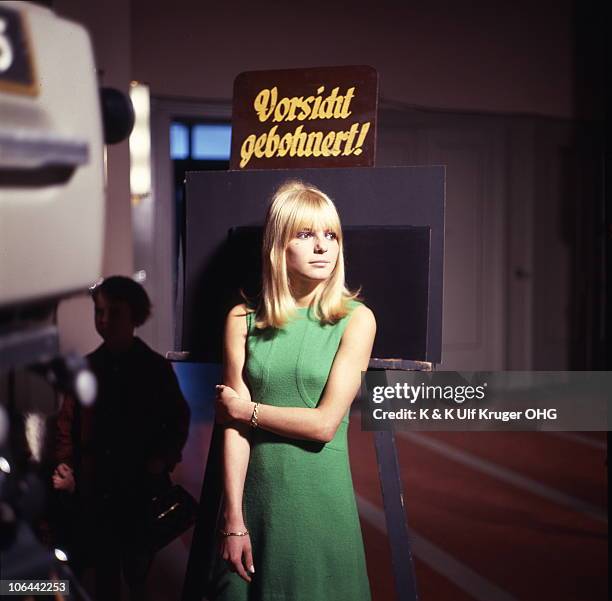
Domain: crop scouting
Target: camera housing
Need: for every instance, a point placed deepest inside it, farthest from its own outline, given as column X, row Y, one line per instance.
column 51, row 158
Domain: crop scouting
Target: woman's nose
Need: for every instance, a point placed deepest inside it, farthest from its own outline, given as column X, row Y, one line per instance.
column 320, row 244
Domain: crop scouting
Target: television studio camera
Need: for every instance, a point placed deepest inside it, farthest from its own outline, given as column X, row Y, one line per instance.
column 54, row 123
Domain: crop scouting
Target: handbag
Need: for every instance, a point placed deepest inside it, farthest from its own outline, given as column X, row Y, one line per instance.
column 171, row 513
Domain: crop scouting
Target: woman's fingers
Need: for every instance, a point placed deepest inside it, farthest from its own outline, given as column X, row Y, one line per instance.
column 240, row 568
column 248, row 560
column 225, row 392
column 233, row 552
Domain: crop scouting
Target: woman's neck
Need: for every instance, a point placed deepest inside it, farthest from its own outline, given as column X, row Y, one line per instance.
column 304, row 292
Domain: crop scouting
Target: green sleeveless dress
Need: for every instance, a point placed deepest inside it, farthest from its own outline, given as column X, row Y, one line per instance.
column 299, row 504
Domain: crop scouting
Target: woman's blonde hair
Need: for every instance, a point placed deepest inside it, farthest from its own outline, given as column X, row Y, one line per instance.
column 297, row 206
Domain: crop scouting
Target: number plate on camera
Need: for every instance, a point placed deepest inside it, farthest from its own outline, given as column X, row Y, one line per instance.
column 17, row 74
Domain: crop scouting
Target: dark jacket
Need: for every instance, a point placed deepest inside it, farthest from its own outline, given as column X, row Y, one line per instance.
column 140, row 415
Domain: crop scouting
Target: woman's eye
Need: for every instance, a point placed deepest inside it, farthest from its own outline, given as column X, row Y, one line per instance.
column 304, row 235
column 330, row 235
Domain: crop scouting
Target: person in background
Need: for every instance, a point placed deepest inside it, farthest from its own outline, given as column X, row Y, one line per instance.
column 113, row 456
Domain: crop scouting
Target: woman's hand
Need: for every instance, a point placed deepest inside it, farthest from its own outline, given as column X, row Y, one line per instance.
column 236, row 550
column 230, row 407
column 63, row 478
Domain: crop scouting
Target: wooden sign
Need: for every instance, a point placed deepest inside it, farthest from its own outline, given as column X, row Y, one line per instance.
column 320, row 117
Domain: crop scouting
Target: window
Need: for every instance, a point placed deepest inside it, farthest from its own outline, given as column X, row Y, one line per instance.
column 195, row 145
column 179, row 141
column 211, row 142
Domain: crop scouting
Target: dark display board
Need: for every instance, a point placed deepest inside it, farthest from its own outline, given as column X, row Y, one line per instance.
column 392, row 250
column 393, row 218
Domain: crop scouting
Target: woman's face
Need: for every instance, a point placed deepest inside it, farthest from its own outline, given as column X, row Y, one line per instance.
column 312, row 254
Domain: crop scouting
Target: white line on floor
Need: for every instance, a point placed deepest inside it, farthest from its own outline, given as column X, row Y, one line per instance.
column 437, row 559
column 506, row 475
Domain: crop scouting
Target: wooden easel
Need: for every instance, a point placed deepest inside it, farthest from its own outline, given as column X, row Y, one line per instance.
column 393, row 494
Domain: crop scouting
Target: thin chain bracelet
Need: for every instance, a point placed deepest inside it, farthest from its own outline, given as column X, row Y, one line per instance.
column 254, row 423
column 224, row 533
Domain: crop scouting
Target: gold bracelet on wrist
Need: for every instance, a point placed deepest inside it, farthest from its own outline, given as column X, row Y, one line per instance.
column 243, row 533
column 254, row 423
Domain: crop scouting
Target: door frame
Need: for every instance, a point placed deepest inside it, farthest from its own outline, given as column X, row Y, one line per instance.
column 153, row 218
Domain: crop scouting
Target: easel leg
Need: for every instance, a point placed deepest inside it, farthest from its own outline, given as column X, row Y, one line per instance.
column 395, row 515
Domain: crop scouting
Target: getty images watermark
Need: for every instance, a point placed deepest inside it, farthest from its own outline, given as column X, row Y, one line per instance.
column 413, row 400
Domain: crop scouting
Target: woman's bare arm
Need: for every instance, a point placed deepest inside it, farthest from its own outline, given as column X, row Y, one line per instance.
column 236, row 445
column 319, row 423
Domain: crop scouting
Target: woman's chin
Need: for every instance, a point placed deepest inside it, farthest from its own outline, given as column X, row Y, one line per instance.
column 318, row 277
column 319, row 273
column 310, row 278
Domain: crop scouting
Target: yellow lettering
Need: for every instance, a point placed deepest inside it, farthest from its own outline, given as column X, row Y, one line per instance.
column 326, row 110
column 282, row 108
column 314, row 143
column 285, row 145
column 265, row 102
column 341, row 136
column 317, row 104
column 328, row 142
column 305, row 144
column 348, row 149
column 295, row 102
column 246, row 150
column 362, row 135
column 306, row 108
column 272, row 143
column 298, row 142
column 332, row 106
column 259, row 146
column 344, row 112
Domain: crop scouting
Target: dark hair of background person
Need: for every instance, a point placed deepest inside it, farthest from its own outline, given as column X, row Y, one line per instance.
column 124, row 289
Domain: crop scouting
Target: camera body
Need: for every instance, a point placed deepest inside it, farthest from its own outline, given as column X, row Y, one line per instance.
column 51, row 158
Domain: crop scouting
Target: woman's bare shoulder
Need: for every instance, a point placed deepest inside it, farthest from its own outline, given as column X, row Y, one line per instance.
column 240, row 310
column 361, row 323
column 363, row 315
column 236, row 322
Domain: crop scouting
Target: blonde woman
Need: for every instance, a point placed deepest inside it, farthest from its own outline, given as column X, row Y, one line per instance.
column 290, row 529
